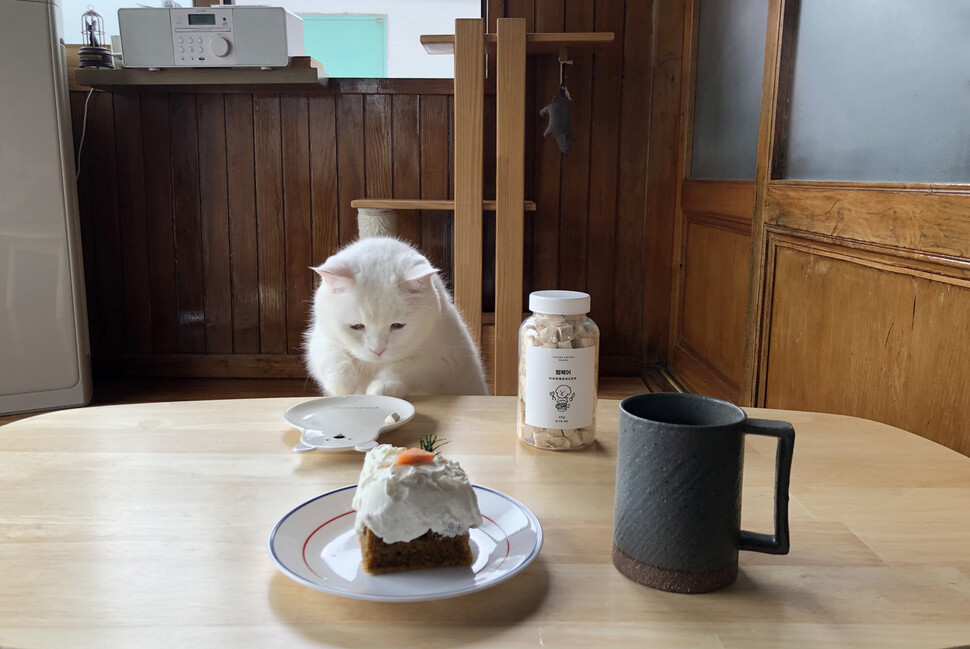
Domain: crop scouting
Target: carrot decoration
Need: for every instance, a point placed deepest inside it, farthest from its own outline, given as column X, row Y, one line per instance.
column 414, row 456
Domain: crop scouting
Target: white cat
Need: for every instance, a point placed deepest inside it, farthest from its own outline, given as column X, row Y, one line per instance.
column 384, row 323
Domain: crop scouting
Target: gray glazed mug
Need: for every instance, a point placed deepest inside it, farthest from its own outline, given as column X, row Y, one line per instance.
column 677, row 513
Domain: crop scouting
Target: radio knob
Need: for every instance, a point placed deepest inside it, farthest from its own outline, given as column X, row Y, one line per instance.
column 220, row 46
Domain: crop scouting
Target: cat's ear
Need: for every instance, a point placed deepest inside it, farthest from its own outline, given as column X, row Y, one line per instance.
column 338, row 278
column 418, row 276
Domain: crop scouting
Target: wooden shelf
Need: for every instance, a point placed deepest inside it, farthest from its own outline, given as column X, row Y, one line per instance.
column 302, row 71
column 534, row 42
column 423, row 204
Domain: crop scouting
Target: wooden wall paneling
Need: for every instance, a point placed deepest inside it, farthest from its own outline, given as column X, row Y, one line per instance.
column 214, row 191
column 190, row 289
column 406, row 162
column 549, row 17
column 101, row 171
column 633, row 220
column 89, row 233
column 243, row 249
column 865, row 333
column 510, row 188
column 779, row 53
column 323, row 178
column 134, row 224
column 733, row 199
column 269, row 223
column 298, row 241
column 938, row 369
column 574, row 213
column 823, row 354
column 350, row 162
column 162, row 284
column 435, row 174
column 378, row 139
column 927, row 218
column 603, row 167
column 713, row 252
column 714, row 290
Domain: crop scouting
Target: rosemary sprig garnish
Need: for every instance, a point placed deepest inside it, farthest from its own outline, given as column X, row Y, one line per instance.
column 431, row 443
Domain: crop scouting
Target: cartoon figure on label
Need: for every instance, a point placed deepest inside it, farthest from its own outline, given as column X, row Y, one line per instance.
column 563, row 396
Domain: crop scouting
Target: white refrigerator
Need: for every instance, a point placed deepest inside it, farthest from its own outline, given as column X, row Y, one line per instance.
column 44, row 348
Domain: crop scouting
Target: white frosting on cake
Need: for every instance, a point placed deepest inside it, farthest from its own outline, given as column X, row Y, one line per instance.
column 402, row 502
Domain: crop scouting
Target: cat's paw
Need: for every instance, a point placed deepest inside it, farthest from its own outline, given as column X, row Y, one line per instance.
column 389, row 387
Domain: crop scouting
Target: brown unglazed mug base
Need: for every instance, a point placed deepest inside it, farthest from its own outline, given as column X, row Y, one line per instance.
column 673, row 581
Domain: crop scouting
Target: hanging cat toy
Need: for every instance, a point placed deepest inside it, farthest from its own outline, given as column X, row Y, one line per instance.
column 558, row 111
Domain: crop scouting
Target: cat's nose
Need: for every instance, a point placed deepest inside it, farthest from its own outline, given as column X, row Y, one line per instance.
column 378, row 351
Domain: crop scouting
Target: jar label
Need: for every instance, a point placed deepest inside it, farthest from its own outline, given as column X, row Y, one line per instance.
column 559, row 387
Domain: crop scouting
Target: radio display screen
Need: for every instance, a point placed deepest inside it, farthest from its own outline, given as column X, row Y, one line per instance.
column 202, row 19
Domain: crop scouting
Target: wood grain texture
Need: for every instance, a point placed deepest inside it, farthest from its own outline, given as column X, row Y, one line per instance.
column 269, row 224
column 575, row 183
column 298, row 239
column 929, row 219
column 101, row 173
column 510, row 188
column 437, row 230
column 405, row 156
column 214, row 195
column 243, row 233
column 604, row 136
column 156, row 137
column 468, row 171
column 643, row 221
column 190, row 291
column 549, row 17
column 350, row 163
column 323, row 178
column 134, row 224
column 858, row 333
column 712, row 306
column 879, row 519
column 731, row 198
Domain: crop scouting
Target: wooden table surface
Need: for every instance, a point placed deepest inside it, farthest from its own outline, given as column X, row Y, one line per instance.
column 146, row 526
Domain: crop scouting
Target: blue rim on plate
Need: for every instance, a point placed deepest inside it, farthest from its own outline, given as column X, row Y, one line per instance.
column 315, row 544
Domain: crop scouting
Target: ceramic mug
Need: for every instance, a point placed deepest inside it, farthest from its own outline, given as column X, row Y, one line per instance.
column 677, row 513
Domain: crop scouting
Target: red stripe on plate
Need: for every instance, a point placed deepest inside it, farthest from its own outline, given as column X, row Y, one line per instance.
column 307, row 563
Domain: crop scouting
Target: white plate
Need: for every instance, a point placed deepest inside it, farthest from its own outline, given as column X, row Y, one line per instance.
column 344, row 423
column 316, row 545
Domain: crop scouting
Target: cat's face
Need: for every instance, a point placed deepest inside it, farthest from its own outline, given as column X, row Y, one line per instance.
column 380, row 307
column 380, row 326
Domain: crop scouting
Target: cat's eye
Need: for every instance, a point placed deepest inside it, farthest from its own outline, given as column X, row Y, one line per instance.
column 397, row 325
column 356, row 327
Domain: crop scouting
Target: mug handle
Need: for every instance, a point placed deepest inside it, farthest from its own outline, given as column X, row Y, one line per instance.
column 778, row 543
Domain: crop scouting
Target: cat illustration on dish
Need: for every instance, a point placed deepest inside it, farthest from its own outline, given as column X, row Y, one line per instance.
column 383, row 322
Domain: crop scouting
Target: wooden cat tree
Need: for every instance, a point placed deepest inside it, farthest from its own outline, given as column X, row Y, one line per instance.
column 469, row 45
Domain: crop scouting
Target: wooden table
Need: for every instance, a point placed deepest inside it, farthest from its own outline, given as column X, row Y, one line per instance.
column 146, row 526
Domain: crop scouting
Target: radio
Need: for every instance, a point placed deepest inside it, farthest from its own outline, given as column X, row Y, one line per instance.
column 209, row 37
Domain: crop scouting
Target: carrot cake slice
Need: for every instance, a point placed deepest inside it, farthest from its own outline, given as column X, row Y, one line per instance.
column 414, row 510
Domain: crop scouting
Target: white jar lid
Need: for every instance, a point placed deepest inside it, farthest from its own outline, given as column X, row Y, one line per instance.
column 559, row 302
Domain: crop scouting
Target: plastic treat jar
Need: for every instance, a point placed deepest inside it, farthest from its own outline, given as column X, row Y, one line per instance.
column 558, row 369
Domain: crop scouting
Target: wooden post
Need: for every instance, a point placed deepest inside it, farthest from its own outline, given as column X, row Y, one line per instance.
column 469, row 170
column 509, row 195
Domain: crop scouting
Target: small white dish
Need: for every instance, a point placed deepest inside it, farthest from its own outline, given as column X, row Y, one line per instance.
column 316, row 545
column 344, row 423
